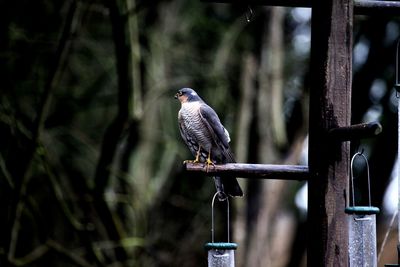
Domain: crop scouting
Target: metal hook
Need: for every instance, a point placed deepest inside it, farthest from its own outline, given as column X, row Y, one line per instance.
column 352, row 176
column 212, row 215
column 249, row 14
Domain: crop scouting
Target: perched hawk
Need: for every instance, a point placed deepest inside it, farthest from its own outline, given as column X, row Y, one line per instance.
column 206, row 137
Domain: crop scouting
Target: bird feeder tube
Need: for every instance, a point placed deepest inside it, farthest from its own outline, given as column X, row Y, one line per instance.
column 361, row 7
column 252, row 171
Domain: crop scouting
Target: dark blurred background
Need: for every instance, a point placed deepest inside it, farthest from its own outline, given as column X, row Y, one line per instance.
column 91, row 157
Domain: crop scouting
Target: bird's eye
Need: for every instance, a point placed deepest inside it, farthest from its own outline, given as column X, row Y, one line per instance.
column 180, row 93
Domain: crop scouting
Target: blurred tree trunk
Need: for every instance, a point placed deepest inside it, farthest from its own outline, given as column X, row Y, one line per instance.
column 380, row 54
column 21, row 170
column 266, row 244
column 243, row 133
column 114, row 132
column 136, row 57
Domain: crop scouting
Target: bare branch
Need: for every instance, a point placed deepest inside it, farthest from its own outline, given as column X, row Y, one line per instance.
column 32, row 256
column 68, row 254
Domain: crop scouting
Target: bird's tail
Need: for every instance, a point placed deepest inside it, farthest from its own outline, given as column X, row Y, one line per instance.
column 227, row 186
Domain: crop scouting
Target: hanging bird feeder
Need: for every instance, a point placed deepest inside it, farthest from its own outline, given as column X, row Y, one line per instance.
column 397, row 88
column 220, row 254
column 362, row 227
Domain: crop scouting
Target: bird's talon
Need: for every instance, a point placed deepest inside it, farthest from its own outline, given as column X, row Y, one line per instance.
column 208, row 163
column 190, row 161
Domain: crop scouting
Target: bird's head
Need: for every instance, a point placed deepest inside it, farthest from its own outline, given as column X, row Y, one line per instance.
column 187, row 95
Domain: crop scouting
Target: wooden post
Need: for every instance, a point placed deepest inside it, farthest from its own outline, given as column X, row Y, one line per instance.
column 330, row 107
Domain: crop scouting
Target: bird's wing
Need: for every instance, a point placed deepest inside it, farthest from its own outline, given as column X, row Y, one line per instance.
column 217, row 130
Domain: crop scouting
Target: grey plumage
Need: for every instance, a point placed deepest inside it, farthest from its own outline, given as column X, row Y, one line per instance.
column 204, row 134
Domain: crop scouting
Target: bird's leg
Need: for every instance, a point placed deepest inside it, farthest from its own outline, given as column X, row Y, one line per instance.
column 196, row 160
column 209, row 161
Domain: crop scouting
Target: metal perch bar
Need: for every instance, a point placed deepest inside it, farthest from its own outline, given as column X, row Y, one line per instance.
column 255, row 171
column 361, row 7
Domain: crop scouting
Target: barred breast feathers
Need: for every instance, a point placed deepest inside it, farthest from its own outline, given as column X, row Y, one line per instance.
column 194, row 124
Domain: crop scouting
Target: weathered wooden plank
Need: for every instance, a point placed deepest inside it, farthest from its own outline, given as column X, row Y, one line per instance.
column 361, row 7
column 256, row 171
column 330, row 107
column 373, row 7
column 355, row 132
column 287, row 3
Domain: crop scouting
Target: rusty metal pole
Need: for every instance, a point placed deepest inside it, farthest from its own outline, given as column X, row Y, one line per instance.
column 330, row 107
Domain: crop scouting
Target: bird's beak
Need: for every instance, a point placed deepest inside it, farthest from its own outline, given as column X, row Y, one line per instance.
column 176, row 96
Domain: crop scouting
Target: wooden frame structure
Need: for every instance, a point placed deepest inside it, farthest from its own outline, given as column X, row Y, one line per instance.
column 329, row 130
